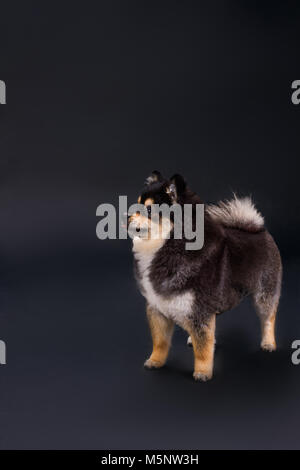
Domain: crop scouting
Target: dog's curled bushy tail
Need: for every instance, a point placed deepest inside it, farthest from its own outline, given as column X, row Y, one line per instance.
column 237, row 213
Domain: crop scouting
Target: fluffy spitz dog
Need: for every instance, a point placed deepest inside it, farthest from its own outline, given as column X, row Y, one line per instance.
column 189, row 288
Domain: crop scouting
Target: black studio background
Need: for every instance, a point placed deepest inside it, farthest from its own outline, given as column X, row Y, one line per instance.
column 98, row 95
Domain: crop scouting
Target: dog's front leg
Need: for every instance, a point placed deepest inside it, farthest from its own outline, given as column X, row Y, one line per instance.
column 161, row 331
column 203, row 341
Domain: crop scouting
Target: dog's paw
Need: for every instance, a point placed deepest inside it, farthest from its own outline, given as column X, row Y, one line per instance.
column 150, row 364
column 268, row 346
column 189, row 342
column 203, row 377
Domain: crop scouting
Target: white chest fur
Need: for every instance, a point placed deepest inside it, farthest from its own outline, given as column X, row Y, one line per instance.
column 176, row 307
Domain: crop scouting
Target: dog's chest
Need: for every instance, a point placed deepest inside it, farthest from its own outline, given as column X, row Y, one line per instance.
column 176, row 307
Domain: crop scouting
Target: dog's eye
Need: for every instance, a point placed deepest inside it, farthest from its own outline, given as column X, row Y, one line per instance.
column 149, row 209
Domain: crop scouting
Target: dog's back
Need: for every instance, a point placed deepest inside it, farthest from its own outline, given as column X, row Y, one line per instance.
column 253, row 256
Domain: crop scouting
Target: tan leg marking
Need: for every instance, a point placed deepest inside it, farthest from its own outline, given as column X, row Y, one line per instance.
column 268, row 342
column 161, row 331
column 204, row 344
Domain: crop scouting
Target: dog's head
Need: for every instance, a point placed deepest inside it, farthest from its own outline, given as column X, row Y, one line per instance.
column 157, row 191
column 161, row 190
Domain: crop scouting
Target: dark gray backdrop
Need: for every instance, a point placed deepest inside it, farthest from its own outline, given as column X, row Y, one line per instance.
column 98, row 95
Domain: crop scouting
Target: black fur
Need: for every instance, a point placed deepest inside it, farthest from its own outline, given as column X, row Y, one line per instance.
column 234, row 262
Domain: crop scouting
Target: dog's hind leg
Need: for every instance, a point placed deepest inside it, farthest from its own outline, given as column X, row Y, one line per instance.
column 161, row 331
column 266, row 300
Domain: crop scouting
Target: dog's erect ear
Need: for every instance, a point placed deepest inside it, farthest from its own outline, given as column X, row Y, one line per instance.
column 155, row 177
column 177, row 187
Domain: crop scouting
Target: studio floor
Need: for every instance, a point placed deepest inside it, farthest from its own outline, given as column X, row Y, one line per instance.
column 77, row 337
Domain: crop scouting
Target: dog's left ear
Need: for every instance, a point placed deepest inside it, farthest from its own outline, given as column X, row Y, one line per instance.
column 177, row 187
column 155, row 177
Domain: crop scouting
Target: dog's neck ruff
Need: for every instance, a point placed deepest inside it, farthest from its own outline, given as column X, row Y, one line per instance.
column 177, row 306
